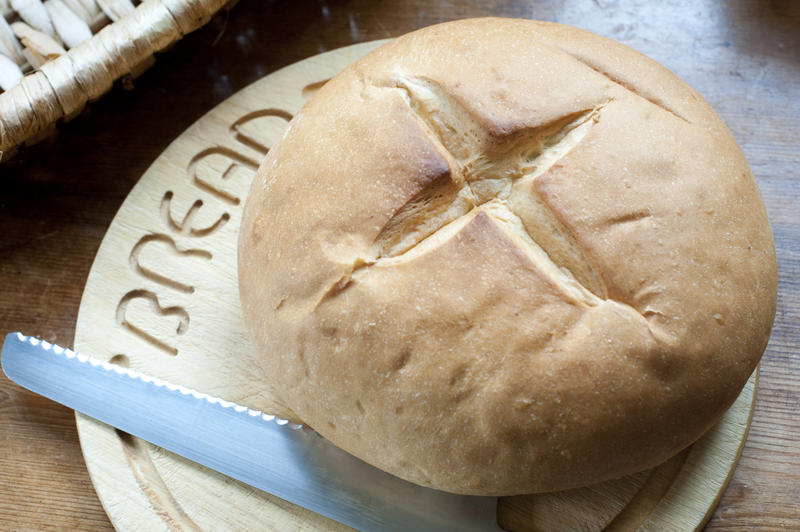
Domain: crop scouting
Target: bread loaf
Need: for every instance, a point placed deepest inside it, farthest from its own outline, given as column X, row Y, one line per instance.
column 503, row 256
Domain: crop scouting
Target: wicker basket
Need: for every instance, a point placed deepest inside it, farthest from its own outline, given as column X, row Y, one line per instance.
column 58, row 54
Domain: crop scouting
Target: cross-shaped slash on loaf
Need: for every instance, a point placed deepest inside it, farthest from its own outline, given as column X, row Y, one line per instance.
column 494, row 174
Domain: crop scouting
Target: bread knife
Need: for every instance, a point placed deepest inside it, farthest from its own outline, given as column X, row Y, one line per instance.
column 287, row 460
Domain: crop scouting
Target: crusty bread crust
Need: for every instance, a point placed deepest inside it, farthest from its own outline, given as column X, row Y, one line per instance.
column 502, row 256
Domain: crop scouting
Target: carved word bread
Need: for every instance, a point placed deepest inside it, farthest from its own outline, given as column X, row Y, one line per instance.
column 503, row 256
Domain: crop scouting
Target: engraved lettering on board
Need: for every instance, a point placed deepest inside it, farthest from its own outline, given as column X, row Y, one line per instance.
column 217, row 174
column 251, row 126
column 148, row 241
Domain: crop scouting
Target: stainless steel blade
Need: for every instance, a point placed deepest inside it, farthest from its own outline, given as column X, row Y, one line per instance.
column 286, row 460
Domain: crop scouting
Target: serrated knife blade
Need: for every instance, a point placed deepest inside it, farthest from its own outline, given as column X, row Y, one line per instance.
column 289, row 461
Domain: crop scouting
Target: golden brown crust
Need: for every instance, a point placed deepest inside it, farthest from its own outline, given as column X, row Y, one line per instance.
column 502, row 256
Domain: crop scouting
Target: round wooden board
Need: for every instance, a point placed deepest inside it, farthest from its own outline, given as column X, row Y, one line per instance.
column 162, row 297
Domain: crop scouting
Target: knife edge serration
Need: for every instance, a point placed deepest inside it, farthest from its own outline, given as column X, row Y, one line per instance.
column 161, row 383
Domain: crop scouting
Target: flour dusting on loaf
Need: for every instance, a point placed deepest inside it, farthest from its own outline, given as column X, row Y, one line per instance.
column 502, row 256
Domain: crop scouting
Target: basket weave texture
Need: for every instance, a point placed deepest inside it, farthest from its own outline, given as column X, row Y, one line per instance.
column 73, row 50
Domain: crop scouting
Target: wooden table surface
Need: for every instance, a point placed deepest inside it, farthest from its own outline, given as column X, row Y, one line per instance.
column 57, row 199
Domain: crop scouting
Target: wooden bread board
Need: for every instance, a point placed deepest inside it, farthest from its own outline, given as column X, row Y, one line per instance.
column 162, row 298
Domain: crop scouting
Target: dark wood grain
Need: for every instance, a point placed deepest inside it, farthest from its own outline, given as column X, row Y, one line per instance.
column 57, row 199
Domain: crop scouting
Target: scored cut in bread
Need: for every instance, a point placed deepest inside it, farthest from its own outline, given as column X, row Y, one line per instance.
column 502, row 256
